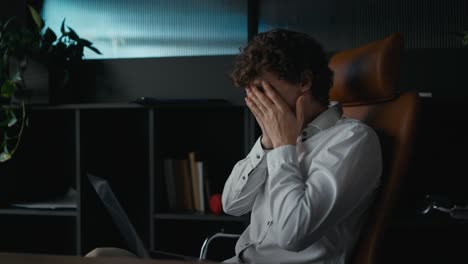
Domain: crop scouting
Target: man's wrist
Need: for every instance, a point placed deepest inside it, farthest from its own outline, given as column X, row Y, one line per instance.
column 266, row 145
column 283, row 143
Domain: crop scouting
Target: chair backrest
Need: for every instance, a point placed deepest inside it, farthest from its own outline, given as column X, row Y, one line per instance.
column 365, row 80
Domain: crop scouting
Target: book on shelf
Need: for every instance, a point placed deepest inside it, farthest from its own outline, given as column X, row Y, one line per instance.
column 201, row 181
column 186, row 184
column 169, row 179
column 207, row 191
column 195, row 182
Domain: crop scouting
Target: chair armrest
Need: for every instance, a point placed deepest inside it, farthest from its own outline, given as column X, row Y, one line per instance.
column 443, row 204
column 204, row 248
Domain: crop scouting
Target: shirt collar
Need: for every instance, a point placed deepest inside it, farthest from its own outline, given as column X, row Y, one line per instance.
column 325, row 120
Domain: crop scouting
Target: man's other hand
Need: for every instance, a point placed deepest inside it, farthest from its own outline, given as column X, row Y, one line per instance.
column 275, row 115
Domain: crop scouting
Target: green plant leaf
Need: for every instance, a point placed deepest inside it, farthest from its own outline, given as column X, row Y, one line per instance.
column 49, row 35
column 89, row 45
column 62, row 28
column 8, row 89
column 4, row 156
column 36, row 17
column 94, row 49
column 12, row 120
column 7, row 23
column 17, row 75
column 84, row 42
column 72, row 34
column 48, row 39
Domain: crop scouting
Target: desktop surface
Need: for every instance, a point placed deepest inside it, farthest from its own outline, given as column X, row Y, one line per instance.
column 15, row 258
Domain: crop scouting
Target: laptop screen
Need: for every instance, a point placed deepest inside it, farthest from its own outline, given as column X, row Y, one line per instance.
column 125, row 227
column 119, row 217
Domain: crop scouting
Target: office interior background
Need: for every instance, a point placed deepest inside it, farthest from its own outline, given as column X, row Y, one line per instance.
column 185, row 50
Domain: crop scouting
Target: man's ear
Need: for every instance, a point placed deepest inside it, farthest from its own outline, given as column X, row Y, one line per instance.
column 306, row 83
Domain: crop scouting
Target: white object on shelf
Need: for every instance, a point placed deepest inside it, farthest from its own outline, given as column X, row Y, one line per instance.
column 425, row 94
column 68, row 201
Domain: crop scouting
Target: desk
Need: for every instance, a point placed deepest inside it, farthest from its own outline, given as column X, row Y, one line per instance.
column 10, row 258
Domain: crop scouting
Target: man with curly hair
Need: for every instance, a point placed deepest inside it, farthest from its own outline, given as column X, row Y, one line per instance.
column 310, row 177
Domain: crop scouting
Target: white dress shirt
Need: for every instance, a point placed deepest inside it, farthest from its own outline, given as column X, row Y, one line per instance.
column 307, row 201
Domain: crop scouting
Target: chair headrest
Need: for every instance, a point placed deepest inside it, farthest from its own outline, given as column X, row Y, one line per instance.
column 367, row 74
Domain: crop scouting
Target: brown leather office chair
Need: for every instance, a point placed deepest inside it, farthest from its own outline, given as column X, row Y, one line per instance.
column 365, row 83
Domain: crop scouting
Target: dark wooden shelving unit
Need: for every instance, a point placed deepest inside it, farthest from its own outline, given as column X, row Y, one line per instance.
column 20, row 211
column 124, row 143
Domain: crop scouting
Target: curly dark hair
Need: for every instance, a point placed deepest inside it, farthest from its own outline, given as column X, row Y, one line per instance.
column 287, row 54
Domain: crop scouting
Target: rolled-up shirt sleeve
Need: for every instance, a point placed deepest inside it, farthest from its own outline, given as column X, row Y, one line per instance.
column 247, row 176
column 305, row 202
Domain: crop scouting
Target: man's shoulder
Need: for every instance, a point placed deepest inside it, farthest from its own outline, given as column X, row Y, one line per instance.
column 346, row 125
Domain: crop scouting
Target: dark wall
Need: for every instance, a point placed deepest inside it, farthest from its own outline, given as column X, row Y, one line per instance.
column 441, row 71
column 434, row 60
column 342, row 24
column 164, row 78
column 9, row 8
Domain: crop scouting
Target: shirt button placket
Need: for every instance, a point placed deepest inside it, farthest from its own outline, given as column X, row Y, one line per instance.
column 304, row 136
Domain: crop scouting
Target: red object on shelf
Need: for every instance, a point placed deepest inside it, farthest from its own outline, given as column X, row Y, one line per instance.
column 216, row 206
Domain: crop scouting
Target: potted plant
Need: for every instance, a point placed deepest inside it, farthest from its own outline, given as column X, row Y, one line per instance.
column 17, row 43
column 62, row 55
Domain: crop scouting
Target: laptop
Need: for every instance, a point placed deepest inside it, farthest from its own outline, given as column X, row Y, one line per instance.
column 123, row 224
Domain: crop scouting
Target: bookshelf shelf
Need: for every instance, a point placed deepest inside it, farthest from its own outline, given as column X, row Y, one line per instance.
column 200, row 217
column 21, row 211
